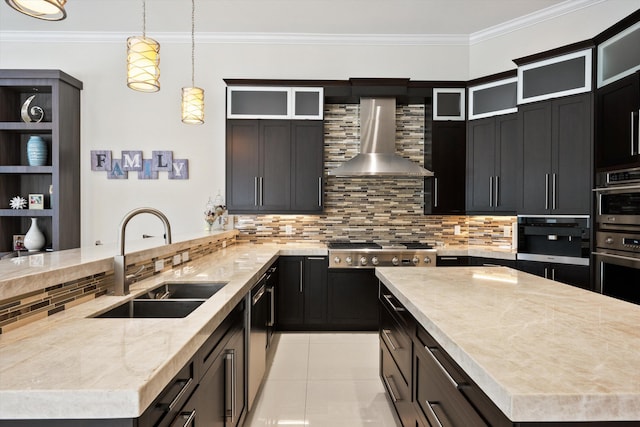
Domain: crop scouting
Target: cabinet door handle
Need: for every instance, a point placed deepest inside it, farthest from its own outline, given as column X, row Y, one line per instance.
column 545, row 273
column 392, row 392
column 435, row 192
column 393, row 306
column 638, row 133
column 437, row 362
column 633, row 134
column 261, row 190
column 546, row 191
column 255, row 191
column 189, row 417
column 301, row 276
column 176, row 400
column 230, row 385
column 490, row 191
column 319, row 191
column 439, row 420
column 553, row 274
column 553, row 192
column 497, row 191
column 387, row 335
column 272, row 303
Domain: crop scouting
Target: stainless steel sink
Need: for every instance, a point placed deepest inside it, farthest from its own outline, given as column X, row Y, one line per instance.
column 169, row 300
column 183, row 290
column 146, row 308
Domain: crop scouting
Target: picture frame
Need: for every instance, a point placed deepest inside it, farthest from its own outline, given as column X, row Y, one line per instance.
column 36, row 201
column 18, row 242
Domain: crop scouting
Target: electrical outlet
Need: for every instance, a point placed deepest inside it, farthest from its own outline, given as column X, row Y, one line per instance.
column 185, row 256
column 456, row 230
column 224, row 243
column 288, row 229
column 159, row 265
column 176, row 260
column 507, row 231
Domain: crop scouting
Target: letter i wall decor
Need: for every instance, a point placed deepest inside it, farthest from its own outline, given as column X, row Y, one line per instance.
column 133, row 161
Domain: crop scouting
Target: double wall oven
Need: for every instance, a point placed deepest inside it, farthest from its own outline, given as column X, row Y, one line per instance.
column 617, row 245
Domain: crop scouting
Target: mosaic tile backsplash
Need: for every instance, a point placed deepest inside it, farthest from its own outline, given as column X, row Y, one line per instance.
column 374, row 208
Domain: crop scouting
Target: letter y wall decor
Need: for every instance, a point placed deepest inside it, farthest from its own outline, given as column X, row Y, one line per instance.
column 133, row 161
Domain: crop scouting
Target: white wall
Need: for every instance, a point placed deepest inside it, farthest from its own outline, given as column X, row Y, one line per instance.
column 117, row 118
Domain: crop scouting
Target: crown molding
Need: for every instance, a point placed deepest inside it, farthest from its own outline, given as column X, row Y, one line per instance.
column 239, row 38
column 525, row 21
column 568, row 6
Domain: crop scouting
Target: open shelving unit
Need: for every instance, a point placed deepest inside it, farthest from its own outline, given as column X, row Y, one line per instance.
column 58, row 94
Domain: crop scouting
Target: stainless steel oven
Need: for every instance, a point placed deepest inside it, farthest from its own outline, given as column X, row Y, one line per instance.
column 617, row 262
column 618, row 199
column 617, row 245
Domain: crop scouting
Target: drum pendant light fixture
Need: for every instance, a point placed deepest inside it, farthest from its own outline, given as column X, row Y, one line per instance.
column 143, row 60
column 192, row 97
column 49, row 10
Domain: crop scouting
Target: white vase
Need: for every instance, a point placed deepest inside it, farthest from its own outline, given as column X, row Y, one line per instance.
column 34, row 239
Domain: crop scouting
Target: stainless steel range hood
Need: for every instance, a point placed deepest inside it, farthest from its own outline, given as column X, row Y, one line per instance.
column 378, row 144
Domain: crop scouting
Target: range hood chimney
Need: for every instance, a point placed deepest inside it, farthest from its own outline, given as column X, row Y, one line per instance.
column 378, row 144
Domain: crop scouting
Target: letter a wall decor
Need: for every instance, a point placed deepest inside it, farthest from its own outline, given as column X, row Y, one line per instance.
column 133, row 161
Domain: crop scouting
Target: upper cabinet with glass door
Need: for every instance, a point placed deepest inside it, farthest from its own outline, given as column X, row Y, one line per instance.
column 272, row 102
column 619, row 56
column 555, row 77
column 493, row 98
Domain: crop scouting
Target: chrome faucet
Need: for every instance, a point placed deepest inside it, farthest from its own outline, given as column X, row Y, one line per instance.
column 122, row 282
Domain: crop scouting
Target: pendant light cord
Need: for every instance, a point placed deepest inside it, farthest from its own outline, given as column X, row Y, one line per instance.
column 144, row 19
column 193, row 43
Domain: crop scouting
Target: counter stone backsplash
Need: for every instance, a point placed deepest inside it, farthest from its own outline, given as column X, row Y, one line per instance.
column 374, row 208
column 27, row 308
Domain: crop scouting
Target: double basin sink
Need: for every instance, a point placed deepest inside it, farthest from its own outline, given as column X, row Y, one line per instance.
column 169, row 300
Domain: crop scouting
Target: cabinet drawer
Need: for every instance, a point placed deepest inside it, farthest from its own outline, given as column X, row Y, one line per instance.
column 438, row 393
column 171, row 399
column 398, row 389
column 398, row 342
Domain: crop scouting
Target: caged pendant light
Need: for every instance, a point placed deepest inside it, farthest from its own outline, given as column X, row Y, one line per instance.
column 143, row 60
column 192, row 97
column 49, row 10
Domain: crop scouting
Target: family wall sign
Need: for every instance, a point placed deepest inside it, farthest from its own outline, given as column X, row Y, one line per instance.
column 133, row 161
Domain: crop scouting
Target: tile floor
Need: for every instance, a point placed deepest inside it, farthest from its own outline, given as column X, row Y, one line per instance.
column 323, row 380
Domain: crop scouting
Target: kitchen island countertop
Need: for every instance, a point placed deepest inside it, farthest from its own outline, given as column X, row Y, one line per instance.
column 540, row 350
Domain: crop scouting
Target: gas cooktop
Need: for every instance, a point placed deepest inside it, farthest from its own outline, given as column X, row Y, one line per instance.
column 344, row 244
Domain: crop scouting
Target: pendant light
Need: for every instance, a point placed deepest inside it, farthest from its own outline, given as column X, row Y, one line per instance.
column 143, row 60
column 49, row 10
column 192, row 97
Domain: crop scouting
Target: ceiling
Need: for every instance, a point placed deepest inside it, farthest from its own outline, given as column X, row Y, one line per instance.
column 407, row 17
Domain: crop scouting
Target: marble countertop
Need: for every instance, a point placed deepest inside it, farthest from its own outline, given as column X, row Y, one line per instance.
column 541, row 350
column 71, row 365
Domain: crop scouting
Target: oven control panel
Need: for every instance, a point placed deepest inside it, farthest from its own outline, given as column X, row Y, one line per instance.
column 618, row 240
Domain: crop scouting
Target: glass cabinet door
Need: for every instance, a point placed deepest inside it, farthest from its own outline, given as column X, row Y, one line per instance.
column 258, row 102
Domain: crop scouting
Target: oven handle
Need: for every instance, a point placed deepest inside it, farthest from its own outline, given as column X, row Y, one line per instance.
column 615, row 189
column 607, row 256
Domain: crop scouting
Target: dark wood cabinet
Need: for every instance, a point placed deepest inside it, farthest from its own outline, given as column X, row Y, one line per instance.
column 58, row 180
column 352, row 299
column 555, row 156
column 453, row 261
column 302, row 293
column 618, row 124
column 575, row 275
column 307, row 186
column 448, row 157
column 491, row 164
column 274, row 166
